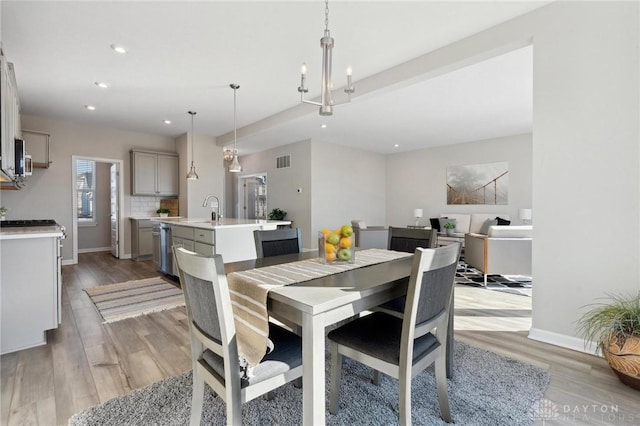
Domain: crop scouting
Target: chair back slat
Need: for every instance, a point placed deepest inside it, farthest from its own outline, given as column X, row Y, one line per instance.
column 435, row 292
column 430, row 288
column 277, row 242
column 201, row 300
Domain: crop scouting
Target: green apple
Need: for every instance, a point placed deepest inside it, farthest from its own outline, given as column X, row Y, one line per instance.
column 333, row 238
column 346, row 230
column 344, row 254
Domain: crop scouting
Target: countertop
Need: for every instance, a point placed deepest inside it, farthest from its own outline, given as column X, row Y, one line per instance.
column 31, row 232
column 223, row 224
column 152, row 217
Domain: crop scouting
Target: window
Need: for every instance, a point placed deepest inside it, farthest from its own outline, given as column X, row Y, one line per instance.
column 85, row 192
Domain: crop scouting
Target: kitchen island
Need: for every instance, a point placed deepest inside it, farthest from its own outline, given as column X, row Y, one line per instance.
column 30, row 284
column 231, row 238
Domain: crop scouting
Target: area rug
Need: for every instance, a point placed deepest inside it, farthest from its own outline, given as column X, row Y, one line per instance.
column 486, row 389
column 514, row 284
column 130, row 299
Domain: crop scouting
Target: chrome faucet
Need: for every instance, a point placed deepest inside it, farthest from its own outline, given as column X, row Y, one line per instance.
column 215, row 211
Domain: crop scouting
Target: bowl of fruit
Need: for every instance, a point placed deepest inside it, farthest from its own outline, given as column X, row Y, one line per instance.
column 337, row 245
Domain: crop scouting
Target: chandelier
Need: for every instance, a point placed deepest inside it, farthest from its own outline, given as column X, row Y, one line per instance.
column 192, row 175
column 326, row 103
column 235, row 167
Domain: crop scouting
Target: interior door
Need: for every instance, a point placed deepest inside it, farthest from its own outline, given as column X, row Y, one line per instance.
column 252, row 199
column 115, row 208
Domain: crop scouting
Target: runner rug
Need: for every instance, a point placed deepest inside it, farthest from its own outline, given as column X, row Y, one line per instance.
column 130, row 299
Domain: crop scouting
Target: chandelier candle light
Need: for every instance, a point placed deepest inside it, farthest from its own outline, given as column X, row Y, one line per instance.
column 326, row 103
column 192, row 175
column 235, row 167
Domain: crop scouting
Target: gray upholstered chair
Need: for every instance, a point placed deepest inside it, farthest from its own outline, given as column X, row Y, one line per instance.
column 277, row 242
column 214, row 348
column 402, row 348
column 367, row 236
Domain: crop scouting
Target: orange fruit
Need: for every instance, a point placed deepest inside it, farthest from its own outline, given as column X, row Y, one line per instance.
column 330, row 257
column 329, row 248
column 345, row 242
column 326, row 232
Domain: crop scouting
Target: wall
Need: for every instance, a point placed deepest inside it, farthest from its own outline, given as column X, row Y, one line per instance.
column 586, row 159
column 347, row 184
column 208, row 161
column 283, row 184
column 417, row 179
column 99, row 236
column 49, row 192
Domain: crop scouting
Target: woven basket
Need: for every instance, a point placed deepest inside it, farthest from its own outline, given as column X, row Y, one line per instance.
column 623, row 356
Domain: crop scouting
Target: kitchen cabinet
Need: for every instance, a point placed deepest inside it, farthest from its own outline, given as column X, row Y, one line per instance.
column 154, row 173
column 31, row 296
column 9, row 118
column 201, row 241
column 141, row 239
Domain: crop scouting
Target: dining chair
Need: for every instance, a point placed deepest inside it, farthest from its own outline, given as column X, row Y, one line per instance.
column 402, row 348
column 406, row 240
column 277, row 242
column 214, row 349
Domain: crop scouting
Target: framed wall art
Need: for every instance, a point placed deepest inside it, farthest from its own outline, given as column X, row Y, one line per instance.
column 478, row 184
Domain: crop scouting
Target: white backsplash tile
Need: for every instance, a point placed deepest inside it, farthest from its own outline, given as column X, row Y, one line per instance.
column 144, row 205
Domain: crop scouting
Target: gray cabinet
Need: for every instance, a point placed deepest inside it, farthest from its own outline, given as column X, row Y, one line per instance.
column 141, row 239
column 202, row 241
column 154, row 173
column 9, row 117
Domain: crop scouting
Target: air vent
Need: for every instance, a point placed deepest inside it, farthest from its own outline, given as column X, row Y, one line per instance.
column 283, row 162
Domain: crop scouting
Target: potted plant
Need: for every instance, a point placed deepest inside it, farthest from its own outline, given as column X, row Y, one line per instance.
column 450, row 227
column 3, row 212
column 163, row 212
column 615, row 326
column 277, row 214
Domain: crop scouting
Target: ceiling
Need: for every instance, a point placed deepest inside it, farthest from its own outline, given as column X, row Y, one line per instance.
column 183, row 56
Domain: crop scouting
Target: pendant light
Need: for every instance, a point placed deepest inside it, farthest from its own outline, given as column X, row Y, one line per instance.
column 192, row 175
column 235, row 167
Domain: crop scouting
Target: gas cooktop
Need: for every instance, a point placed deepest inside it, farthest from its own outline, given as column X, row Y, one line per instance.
column 27, row 222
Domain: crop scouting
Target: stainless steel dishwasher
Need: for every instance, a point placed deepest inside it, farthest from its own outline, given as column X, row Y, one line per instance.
column 162, row 255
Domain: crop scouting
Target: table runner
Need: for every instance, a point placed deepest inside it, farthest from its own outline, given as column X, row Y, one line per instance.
column 249, row 291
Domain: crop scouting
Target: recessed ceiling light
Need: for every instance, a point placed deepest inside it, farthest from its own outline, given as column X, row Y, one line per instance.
column 166, row 121
column 90, row 107
column 101, row 84
column 324, row 126
column 396, row 145
column 118, row 48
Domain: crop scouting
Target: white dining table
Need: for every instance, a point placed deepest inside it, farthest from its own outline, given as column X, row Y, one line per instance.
column 313, row 305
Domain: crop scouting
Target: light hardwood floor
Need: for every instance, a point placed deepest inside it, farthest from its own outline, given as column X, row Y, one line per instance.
column 86, row 362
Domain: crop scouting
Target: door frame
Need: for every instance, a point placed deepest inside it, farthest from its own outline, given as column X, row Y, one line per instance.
column 119, row 164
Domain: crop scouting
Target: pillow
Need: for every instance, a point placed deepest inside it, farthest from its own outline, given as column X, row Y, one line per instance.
column 435, row 223
column 484, row 229
column 502, row 221
column 443, row 221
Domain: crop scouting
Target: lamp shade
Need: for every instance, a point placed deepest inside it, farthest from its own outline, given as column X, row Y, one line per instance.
column 417, row 212
column 525, row 214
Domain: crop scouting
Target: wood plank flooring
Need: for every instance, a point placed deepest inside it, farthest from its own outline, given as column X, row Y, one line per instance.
column 86, row 362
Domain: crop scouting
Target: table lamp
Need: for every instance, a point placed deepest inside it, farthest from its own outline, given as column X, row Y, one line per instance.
column 525, row 216
column 417, row 213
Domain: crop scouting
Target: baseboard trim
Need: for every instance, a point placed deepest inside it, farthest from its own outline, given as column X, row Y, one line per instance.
column 562, row 340
column 94, row 250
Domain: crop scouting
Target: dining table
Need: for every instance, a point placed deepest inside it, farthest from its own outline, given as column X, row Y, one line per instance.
column 315, row 304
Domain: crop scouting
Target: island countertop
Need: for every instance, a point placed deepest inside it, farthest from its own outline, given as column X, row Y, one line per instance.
column 226, row 223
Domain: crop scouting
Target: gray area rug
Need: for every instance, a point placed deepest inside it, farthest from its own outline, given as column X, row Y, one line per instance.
column 487, row 389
